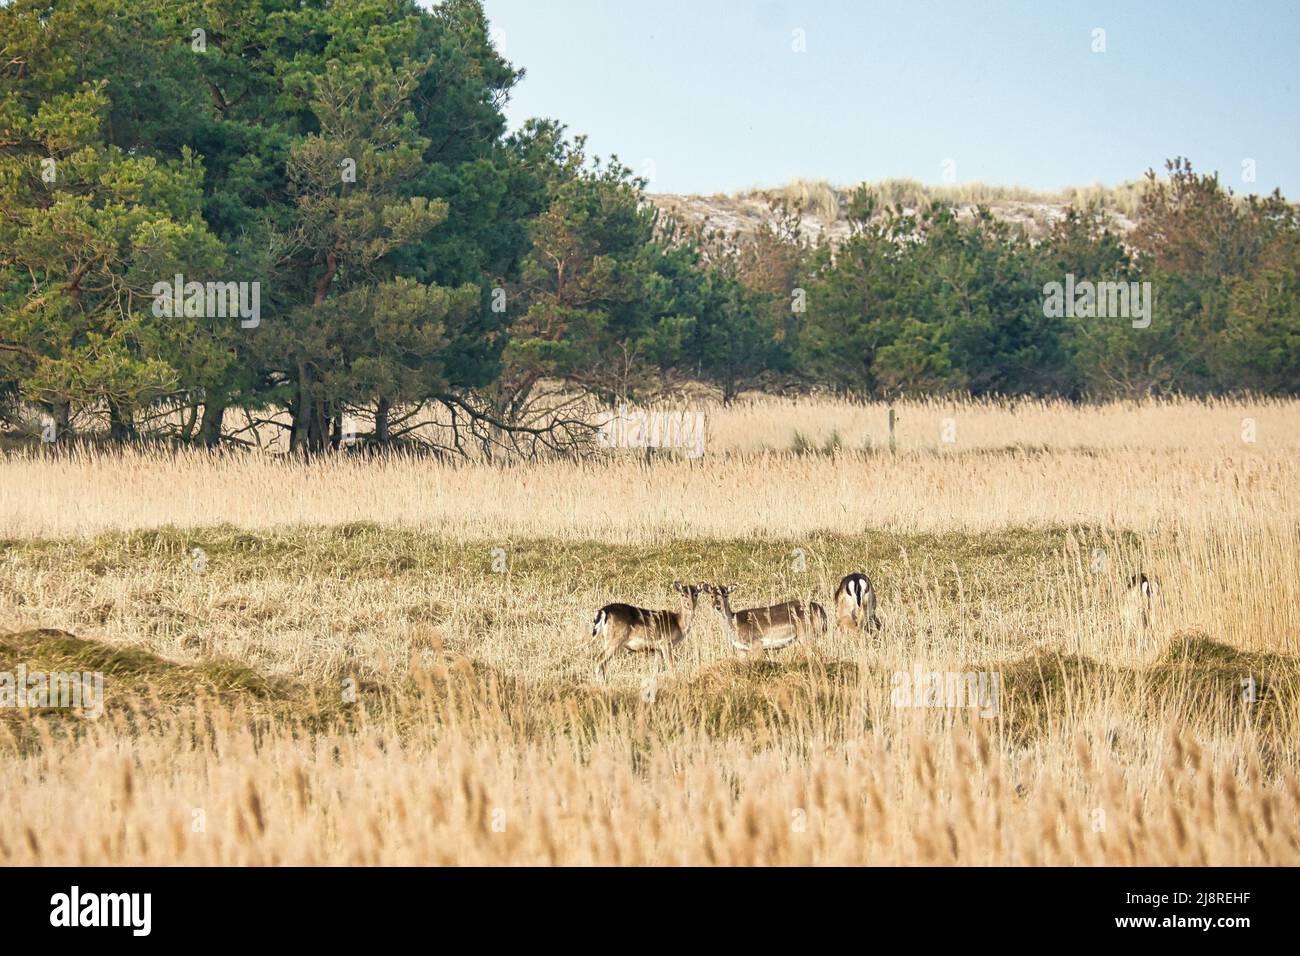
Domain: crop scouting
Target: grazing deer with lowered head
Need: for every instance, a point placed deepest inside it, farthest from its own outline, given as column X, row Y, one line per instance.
column 624, row 627
column 855, row 603
column 767, row 628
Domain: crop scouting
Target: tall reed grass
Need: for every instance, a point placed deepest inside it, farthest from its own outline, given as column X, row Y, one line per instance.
column 388, row 661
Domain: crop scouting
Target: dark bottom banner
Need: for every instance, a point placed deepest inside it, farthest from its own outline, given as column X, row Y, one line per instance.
column 1226, row 906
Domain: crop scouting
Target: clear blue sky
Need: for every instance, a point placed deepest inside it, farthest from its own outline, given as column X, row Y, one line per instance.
column 1012, row 92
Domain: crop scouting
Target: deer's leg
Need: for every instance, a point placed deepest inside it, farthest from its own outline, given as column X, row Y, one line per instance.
column 603, row 663
column 614, row 639
column 821, row 620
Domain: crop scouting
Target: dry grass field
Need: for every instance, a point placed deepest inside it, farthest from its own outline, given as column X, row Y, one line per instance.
column 390, row 661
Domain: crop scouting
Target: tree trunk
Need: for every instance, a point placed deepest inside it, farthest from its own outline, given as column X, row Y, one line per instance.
column 210, row 427
column 187, row 428
column 119, row 423
column 336, row 430
column 301, row 413
column 311, row 424
column 317, row 427
column 381, row 422
column 310, row 420
column 728, row 389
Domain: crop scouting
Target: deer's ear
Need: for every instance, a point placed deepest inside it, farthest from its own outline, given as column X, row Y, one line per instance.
column 677, row 586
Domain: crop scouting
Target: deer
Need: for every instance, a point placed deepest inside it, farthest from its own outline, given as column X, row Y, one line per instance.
column 855, row 603
column 759, row 629
column 624, row 627
column 1142, row 593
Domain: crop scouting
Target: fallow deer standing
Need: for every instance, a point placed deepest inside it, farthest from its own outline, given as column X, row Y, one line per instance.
column 624, row 627
column 767, row 628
